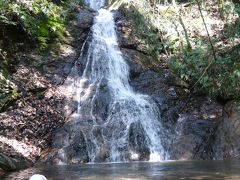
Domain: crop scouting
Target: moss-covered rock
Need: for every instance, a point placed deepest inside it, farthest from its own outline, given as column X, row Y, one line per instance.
column 10, row 164
column 6, row 163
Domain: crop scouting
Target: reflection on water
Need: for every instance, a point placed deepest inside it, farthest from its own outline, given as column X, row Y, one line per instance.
column 165, row 170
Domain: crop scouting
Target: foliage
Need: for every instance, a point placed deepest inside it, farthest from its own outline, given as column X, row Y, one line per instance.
column 221, row 79
column 221, row 76
column 42, row 20
column 6, row 163
column 149, row 37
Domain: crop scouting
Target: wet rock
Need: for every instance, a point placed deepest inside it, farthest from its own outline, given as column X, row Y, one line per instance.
column 227, row 145
column 69, row 147
column 139, row 142
column 97, row 132
column 85, row 18
column 101, row 102
column 102, row 155
column 193, row 139
column 133, row 58
column 103, row 152
column 150, row 82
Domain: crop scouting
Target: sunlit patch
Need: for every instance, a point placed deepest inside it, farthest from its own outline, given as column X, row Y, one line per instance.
column 134, row 156
column 155, row 157
column 26, row 150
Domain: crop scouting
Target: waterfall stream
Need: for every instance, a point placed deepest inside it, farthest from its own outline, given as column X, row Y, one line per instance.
column 118, row 124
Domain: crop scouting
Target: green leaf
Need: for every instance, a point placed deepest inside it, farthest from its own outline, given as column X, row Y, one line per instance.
column 6, row 21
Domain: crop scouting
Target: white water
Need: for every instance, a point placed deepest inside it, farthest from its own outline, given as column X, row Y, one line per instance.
column 105, row 65
column 95, row 4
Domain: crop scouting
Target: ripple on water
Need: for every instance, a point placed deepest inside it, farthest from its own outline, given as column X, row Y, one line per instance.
column 145, row 170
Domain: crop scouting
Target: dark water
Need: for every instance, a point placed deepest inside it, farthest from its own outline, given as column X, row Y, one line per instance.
column 165, row 170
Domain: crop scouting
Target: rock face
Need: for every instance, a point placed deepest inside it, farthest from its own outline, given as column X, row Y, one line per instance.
column 137, row 141
column 70, row 145
column 227, row 145
column 58, row 67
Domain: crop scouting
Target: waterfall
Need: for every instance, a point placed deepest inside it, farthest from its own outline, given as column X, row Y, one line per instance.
column 121, row 122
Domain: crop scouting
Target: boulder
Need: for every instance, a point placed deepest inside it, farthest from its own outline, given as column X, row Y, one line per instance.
column 12, row 163
column 227, row 145
column 138, row 141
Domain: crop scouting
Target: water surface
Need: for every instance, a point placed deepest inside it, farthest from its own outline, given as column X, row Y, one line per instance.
column 142, row 171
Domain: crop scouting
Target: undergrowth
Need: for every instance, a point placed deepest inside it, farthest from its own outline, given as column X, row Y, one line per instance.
column 42, row 20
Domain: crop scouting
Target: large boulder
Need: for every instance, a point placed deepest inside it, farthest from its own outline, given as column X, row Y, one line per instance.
column 69, row 146
column 12, row 163
column 227, row 144
column 138, row 141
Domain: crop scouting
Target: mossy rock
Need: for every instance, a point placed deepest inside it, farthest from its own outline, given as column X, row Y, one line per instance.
column 6, row 163
column 10, row 164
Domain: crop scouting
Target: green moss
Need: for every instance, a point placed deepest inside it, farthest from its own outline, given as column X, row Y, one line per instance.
column 10, row 164
column 42, row 20
column 6, row 163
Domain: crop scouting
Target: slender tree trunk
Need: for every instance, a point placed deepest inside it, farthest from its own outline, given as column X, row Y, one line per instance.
column 182, row 24
column 221, row 7
column 213, row 50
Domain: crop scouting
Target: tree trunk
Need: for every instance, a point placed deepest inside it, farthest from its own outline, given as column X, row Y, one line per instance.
column 182, row 24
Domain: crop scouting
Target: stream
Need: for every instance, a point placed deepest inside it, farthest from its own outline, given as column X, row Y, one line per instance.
column 139, row 170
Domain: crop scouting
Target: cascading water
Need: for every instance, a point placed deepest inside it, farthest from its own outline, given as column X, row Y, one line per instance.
column 122, row 125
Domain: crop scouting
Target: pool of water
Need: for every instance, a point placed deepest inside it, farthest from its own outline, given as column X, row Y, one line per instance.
column 164, row 170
